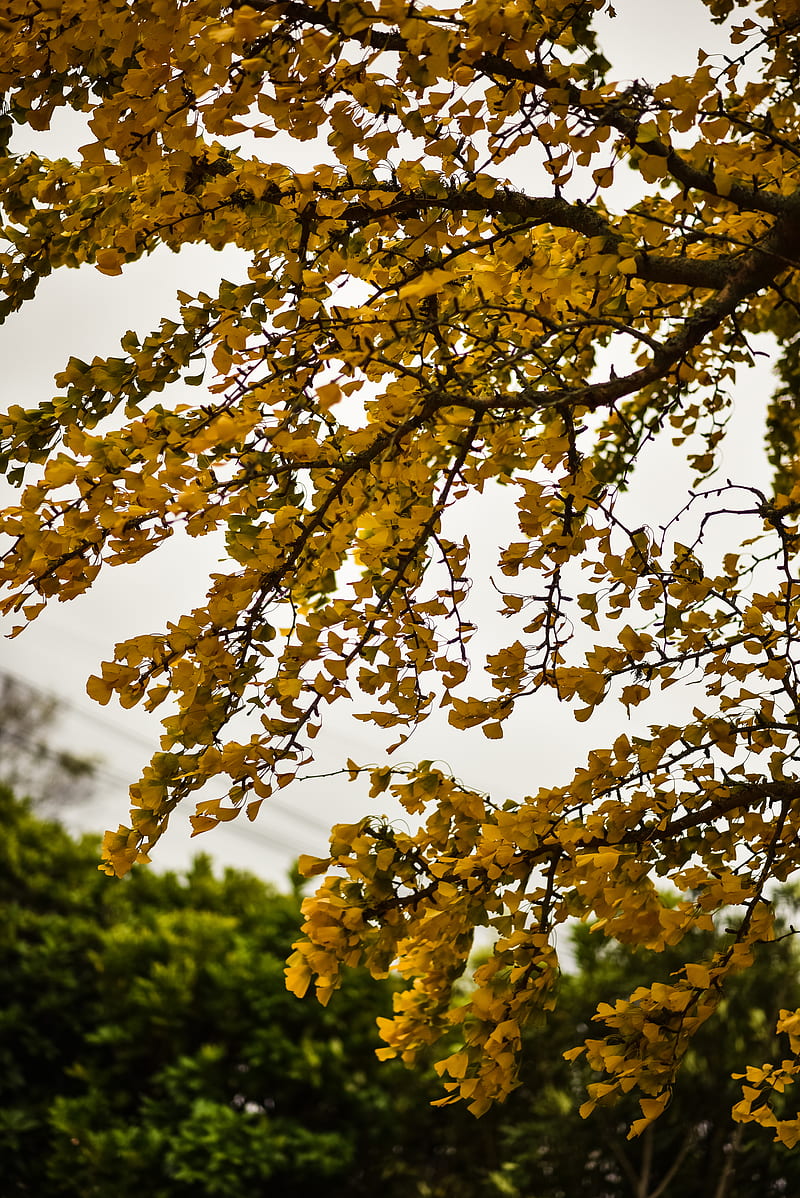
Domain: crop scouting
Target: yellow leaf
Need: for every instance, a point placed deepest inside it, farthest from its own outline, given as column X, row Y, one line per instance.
column 99, row 689
column 429, row 283
column 309, row 867
column 109, row 262
column 298, row 976
column 698, row 975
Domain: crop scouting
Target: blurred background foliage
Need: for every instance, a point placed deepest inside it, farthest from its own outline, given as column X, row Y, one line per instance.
column 147, row 1045
column 29, row 763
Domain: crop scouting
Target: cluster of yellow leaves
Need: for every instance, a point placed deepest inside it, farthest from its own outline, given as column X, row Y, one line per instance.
column 414, row 328
column 760, row 1081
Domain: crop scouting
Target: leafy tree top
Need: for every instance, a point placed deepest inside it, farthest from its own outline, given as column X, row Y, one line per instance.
column 415, row 326
column 148, row 1044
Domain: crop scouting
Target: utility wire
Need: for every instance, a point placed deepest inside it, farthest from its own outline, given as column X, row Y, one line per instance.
column 85, row 713
column 110, row 776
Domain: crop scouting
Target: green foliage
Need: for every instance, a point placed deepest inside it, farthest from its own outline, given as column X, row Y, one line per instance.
column 148, row 1045
column 782, row 430
column 695, row 1149
column 29, row 764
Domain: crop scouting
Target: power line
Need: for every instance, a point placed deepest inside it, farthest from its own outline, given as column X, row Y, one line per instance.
column 85, row 713
column 114, row 778
column 63, row 702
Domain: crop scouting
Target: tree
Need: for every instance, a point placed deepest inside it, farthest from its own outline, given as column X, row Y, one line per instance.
column 147, row 1039
column 29, row 764
column 695, row 1147
column 419, row 323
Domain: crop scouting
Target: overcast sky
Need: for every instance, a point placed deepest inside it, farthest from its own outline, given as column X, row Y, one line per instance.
column 85, row 313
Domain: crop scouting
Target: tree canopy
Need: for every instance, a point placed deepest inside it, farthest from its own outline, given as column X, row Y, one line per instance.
column 508, row 267
column 29, row 764
column 147, row 1041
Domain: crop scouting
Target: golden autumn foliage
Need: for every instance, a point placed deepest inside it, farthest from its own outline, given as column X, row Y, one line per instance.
column 416, row 327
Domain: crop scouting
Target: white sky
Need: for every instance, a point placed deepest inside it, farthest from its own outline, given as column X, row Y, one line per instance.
column 85, row 313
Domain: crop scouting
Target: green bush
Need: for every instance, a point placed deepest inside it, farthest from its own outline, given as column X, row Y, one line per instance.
column 148, row 1046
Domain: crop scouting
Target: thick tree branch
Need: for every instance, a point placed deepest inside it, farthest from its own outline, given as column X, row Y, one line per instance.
column 535, row 76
